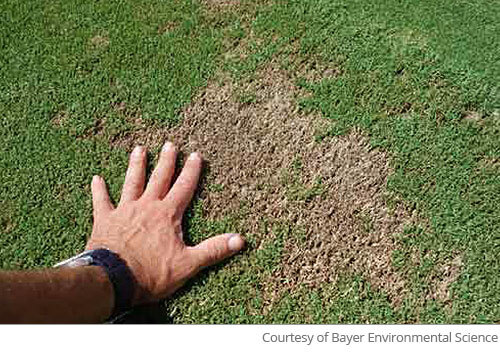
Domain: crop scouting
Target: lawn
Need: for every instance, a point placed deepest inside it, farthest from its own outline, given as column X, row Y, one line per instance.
column 356, row 145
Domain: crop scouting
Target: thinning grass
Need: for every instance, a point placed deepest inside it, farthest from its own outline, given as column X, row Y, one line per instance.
column 419, row 77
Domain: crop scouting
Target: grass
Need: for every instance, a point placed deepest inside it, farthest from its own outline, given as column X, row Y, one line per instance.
column 408, row 73
column 51, row 65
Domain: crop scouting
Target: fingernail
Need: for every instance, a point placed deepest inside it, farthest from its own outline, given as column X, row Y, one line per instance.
column 167, row 146
column 235, row 242
column 194, row 156
column 137, row 151
column 96, row 178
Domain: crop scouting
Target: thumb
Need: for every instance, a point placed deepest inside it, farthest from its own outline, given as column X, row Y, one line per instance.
column 216, row 249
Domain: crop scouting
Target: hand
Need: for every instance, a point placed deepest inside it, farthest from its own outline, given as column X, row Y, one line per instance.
column 145, row 228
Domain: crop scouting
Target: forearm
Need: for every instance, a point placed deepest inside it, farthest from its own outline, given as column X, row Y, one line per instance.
column 66, row 295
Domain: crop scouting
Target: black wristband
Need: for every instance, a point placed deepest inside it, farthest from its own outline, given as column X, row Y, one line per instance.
column 120, row 276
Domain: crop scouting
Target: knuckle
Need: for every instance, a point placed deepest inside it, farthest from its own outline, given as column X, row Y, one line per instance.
column 174, row 219
column 171, row 214
column 209, row 259
column 217, row 252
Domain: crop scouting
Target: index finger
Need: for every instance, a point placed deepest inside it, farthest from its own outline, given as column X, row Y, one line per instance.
column 183, row 190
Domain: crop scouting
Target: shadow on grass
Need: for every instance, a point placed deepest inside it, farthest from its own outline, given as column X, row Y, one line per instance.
column 158, row 313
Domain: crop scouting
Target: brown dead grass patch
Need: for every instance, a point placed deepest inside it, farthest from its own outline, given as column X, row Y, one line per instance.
column 490, row 163
column 130, row 114
column 167, row 27
column 265, row 158
column 474, row 116
column 60, row 119
column 99, row 41
column 447, row 273
column 220, row 4
column 7, row 223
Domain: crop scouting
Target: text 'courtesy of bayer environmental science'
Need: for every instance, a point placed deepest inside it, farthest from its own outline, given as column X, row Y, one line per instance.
column 378, row 338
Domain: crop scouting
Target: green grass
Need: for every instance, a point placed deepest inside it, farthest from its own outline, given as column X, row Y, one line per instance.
column 408, row 74
column 50, row 66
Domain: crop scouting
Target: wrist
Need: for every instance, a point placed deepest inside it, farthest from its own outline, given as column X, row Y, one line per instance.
column 107, row 303
column 118, row 274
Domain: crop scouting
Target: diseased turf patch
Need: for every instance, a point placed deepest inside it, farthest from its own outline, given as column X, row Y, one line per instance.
column 473, row 116
column 214, row 5
column 99, row 41
column 490, row 163
column 266, row 166
column 60, row 119
column 167, row 27
column 447, row 274
column 7, row 222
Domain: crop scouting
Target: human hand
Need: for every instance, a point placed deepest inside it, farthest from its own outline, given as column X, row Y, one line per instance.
column 145, row 228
